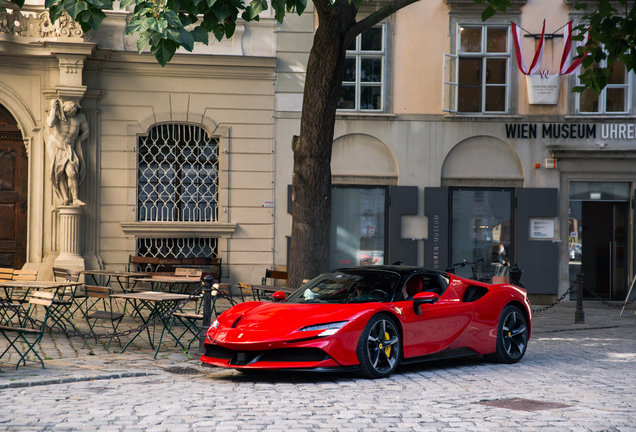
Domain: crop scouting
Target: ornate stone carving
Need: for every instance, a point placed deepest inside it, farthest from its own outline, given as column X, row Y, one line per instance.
column 15, row 23
column 63, row 27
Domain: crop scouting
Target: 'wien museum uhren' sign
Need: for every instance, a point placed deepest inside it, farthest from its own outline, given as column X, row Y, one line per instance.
column 617, row 131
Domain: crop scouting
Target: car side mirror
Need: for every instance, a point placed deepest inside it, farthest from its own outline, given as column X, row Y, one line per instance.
column 279, row 296
column 423, row 298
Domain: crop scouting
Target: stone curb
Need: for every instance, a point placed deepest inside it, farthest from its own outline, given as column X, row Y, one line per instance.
column 75, row 379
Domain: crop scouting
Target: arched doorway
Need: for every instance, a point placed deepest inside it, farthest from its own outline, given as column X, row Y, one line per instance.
column 13, row 193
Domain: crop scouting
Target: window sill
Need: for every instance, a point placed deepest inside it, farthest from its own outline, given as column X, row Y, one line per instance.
column 178, row 229
column 599, row 116
column 359, row 114
column 481, row 117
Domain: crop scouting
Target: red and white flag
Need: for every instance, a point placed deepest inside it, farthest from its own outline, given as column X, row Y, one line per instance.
column 538, row 55
column 568, row 67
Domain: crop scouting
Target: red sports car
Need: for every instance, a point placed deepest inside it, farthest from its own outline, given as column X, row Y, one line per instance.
column 370, row 320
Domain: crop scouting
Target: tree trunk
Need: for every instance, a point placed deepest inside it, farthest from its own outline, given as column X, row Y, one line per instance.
column 311, row 179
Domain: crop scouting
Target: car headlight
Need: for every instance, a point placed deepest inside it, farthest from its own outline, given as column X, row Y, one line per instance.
column 328, row 328
column 215, row 324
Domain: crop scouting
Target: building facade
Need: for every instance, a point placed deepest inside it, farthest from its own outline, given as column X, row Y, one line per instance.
column 175, row 156
column 441, row 153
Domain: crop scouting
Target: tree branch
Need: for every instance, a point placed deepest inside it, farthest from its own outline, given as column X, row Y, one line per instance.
column 375, row 18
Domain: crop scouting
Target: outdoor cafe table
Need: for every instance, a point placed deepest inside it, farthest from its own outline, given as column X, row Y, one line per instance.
column 122, row 277
column 172, row 284
column 18, row 291
column 158, row 304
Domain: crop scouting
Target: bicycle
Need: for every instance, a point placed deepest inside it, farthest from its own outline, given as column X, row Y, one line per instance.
column 472, row 264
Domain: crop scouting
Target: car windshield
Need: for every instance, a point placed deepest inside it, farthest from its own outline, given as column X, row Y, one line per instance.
column 348, row 286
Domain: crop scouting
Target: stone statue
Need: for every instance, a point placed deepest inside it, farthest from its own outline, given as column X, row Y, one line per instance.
column 66, row 130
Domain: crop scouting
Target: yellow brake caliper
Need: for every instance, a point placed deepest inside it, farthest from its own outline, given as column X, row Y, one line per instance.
column 387, row 348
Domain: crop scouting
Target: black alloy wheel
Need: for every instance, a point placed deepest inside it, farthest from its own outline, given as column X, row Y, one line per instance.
column 379, row 347
column 512, row 336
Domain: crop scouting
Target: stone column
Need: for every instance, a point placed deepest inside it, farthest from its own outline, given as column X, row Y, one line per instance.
column 70, row 242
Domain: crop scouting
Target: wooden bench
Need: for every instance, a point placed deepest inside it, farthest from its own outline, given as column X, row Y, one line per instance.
column 207, row 265
column 274, row 274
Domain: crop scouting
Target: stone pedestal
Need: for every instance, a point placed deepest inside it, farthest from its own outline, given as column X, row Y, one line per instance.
column 70, row 242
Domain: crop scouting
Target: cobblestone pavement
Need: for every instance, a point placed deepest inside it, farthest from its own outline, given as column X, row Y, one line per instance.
column 589, row 367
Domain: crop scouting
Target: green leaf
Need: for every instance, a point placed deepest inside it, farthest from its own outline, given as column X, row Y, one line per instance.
column 256, row 7
column 164, row 51
column 199, row 34
column 74, row 7
column 210, row 2
column 300, row 6
column 221, row 12
column 126, row 3
column 56, row 12
column 229, row 29
column 47, row 3
column 356, row 3
column 134, row 25
column 219, row 32
column 186, row 40
column 143, row 41
column 92, row 18
column 578, row 89
column 101, row 4
column 172, row 18
column 488, row 13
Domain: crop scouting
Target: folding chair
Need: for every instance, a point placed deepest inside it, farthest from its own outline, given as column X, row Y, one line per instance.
column 101, row 309
column 6, row 273
column 246, row 288
column 27, row 332
column 20, row 295
column 75, row 295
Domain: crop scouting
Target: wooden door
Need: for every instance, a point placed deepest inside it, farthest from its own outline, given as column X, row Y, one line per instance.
column 13, row 193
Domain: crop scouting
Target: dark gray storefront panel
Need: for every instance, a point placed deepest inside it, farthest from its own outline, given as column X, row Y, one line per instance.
column 403, row 201
column 436, row 246
column 537, row 258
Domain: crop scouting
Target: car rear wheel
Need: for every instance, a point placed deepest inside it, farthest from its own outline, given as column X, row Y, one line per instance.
column 512, row 336
column 379, row 347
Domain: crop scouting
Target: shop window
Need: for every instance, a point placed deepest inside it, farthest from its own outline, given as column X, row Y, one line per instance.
column 358, row 226
column 481, row 222
column 363, row 84
column 615, row 98
column 177, row 175
column 477, row 77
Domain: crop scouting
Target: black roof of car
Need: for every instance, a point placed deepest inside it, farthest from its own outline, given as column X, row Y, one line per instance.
column 401, row 269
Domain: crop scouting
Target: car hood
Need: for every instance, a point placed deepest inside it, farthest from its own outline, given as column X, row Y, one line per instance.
column 261, row 322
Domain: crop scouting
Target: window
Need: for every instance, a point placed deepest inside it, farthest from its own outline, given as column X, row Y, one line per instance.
column 358, row 226
column 177, row 175
column 363, row 83
column 614, row 98
column 480, row 225
column 477, row 79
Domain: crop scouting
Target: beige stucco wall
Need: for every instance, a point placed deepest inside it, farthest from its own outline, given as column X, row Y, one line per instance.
column 420, row 41
column 227, row 88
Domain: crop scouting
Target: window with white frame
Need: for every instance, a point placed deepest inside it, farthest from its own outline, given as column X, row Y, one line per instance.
column 363, row 83
column 477, row 78
column 615, row 98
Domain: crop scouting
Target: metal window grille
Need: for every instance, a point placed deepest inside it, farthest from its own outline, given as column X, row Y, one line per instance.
column 177, row 175
column 177, row 247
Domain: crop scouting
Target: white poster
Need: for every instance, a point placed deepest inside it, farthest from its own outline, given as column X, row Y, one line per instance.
column 541, row 228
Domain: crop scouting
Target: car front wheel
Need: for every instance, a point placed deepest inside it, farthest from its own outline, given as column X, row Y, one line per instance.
column 379, row 347
column 512, row 336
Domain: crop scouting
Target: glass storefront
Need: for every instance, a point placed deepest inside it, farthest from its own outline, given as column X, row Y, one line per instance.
column 597, row 240
column 481, row 228
column 358, row 226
